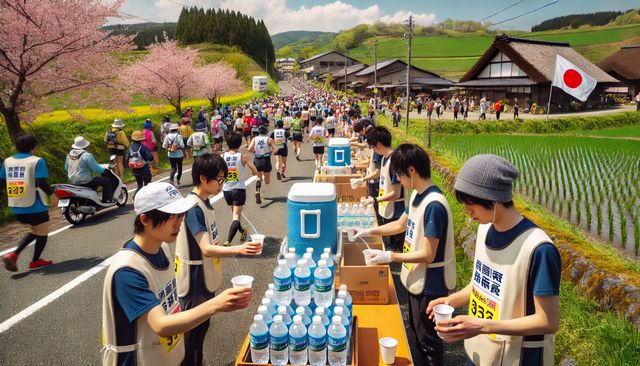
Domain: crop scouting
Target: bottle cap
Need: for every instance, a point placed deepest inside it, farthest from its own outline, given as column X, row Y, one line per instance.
column 302, row 262
column 297, row 319
column 317, row 320
column 282, row 310
column 277, row 318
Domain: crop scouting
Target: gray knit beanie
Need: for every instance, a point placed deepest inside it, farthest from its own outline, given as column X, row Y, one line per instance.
column 486, row 176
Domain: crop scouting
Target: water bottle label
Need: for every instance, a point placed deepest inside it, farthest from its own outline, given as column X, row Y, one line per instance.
column 282, row 284
column 297, row 343
column 323, row 284
column 337, row 344
column 302, row 283
column 259, row 341
column 317, row 343
column 278, row 343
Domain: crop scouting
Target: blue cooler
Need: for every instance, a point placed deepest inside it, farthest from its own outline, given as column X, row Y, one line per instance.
column 339, row 152
column 312, row 217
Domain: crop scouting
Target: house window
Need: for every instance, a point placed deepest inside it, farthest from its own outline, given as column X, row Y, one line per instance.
column 501, row 67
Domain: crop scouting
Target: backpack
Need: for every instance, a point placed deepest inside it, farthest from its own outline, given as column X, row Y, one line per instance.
column 174, row 146
column 112, row 137
column 135, row 160
column 196, row 141
column 216, row 126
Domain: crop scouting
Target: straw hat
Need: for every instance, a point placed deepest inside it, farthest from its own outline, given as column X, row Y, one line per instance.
column 80, row 143
column 137, row 136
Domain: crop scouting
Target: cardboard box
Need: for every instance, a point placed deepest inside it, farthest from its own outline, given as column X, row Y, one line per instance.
column 367, row 284
column 244, row 358
column 346, row 194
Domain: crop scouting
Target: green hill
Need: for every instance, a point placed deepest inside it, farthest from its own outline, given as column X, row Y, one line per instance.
column 301, row 38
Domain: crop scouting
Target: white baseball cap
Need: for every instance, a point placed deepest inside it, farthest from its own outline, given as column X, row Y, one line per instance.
column 163, row 197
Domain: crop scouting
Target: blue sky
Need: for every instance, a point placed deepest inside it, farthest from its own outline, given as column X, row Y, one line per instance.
column 284, row 15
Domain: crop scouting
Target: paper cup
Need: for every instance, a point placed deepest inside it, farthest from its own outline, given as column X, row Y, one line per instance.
column 442, row 312
column 354, row 183
column 366, row 261
column 258, row 238
column 242, row 281
column 388, row 347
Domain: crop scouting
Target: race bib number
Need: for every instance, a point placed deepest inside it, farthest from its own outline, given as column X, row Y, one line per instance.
column 16, row 188
column 382, row 206
column 168, row 297
column 233, row 175
column 406, row 248
column 176, row 266
column 483, row 307
column 169, row 343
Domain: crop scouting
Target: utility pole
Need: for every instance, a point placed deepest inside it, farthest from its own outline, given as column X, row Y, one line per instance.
column 409, row 38
column 375, row 74
column 345, row 72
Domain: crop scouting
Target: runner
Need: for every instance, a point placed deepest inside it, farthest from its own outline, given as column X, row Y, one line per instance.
column 331, row 123
column 198, row 142
column 24, row 176
column 317, row 137
column 262, row 146
column 246, row 127
column 142, row 322
column 186, row 131
column 174, row 144
column 151, row 144
column 428, row 256
column 117, row 143
column 513, row 297
column 304, row 117
column 234, row 190
column 296, row 127
column 138, row 159
column 218, row 130
column 198, row 254
column 280, row 137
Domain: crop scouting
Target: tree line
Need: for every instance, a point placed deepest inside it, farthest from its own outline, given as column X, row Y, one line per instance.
column 577, row 20
column 145, row 33
column 197, row 25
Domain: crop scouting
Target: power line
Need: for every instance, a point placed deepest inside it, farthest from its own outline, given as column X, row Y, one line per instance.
column 526, row 13
column 501, row 11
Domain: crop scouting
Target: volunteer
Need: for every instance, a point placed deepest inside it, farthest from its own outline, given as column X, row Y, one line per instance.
column 142, row 322
column 197, row 261
column 117, row 143
column 280, row 137
column 428, row 257
column 513, row 295
column 262, row 146
column 24, row 176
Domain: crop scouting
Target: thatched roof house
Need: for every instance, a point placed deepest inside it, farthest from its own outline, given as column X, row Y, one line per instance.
column 523, row 68
column 624, row 65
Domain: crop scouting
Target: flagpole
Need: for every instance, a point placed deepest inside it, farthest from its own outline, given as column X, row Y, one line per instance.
column 549, row 103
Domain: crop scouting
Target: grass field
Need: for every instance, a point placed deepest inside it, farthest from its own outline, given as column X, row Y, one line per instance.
column 628, row 131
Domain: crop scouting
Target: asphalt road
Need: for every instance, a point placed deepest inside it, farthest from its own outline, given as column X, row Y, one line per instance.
column 53, row 316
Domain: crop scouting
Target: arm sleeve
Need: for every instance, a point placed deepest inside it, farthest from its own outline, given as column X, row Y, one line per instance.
column 122, row 138
column 93, row 165
column 133, row 294
column 146, row 154
column 435, row 220
column 195, row 221
column 545, row 270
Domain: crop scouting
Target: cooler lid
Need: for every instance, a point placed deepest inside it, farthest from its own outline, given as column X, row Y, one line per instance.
column 338, row 142
column 312, row 192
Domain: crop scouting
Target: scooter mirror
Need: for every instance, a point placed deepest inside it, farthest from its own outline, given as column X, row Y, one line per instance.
column 112, row 157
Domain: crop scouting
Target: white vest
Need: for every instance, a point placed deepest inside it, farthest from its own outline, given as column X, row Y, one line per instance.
column 235, row 176
column 317, row 136
column 279, row 137
column 21, row 181
column 212, row 267
column 499, row 292
column 150, row 348
column 386, row 208
column 261, row 146
column 414, row 275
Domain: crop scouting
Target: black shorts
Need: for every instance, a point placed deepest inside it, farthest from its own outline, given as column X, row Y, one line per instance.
column 318, row 149
column 33, row 219
column 218, row 140
column 297, row 136
column 237, row 197
column 283, row 152
column 246, row 133
column 263, row 164
column 332, row 131
column 254, row 133
column 116, row 152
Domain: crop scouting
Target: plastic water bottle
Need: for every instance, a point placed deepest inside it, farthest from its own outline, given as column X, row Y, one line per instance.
column 346, row 296
column 259, row 340
column 302, row 283
column 339, row 311
column 282, row 283
column 337, row 343
column 305, row 318
column 317, row 343
column 298, row 342
column 293, row 251
column 266, row 316
column 320, row 311
column 345, row 310
column 268, row 302
column 286, row 318
column 271, row 287
column 291, row 259
column 330, row 265
column 323, row 285
column 312, row 268
column 278, row 342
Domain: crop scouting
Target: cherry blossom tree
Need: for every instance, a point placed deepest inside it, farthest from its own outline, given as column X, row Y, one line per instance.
column 50, row 47
column 168, row 71
column 216, row 80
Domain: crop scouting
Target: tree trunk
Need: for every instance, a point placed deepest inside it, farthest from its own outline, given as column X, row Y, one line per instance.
column 12, row 120
column 178, row 108
column 213, row 102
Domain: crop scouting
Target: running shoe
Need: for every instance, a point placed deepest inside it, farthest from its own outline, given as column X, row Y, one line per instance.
column 243, row 234
column 40, row 263
column 278, row 175
column 258, row 199
column 10, row 262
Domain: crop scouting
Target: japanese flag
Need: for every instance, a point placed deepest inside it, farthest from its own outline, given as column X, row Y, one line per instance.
column 572, row 80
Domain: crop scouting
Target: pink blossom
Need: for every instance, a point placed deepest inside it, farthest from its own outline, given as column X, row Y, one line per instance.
column 216, row 80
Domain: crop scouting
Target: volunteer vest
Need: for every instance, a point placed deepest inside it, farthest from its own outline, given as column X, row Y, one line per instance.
column 212, row 267
column 235, row 175
column 317, row 136
column 386, row 208
column 150, row 348
column 414, row 275
column 261, row 147
column 21, row 181
column 279, row 137
column 498, row 291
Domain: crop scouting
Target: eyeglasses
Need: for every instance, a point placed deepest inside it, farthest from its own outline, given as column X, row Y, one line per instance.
column 221, row 181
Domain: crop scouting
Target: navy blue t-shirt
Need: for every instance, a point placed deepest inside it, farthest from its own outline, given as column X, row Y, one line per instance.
column 132, row 299
column 435, row 224
column 196, row 223
column 543, row 278
column 398, row 206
